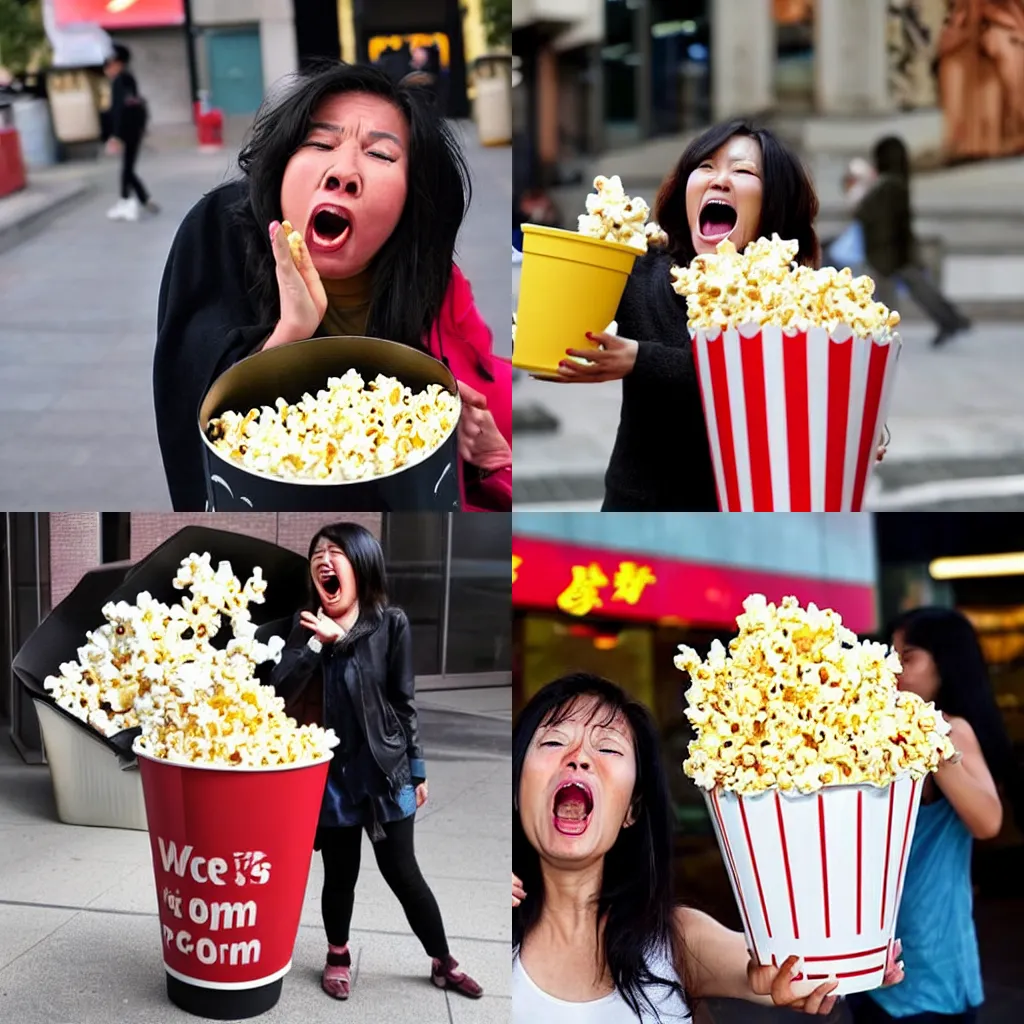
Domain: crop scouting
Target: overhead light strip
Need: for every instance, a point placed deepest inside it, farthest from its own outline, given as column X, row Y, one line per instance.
column 977, row 566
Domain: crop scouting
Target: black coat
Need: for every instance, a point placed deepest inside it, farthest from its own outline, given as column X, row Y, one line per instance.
column 885, row 217
column 379, row 677
column 206, row 322
column 661, row 461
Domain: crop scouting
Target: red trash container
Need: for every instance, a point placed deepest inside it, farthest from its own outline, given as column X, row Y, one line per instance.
column 12, row 167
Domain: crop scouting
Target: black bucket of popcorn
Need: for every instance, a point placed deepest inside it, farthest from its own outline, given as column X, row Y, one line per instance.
column 332, row 423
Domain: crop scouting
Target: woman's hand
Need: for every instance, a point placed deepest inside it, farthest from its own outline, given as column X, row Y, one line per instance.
column 777, row 983
column 614, row 360
column 113, row 146
column 325, row 629
column 893, row 967
column 518, row 892
column 421, row 793
column 480, row 442
column 303, row 299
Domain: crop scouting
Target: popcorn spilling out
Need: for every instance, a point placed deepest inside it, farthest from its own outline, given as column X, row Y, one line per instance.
column 798, row 704
column 763, row 285
column 350, row 431
column 613, row 216
column 154, row 665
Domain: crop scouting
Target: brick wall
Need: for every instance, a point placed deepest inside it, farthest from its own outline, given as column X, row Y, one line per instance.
column 74, row 549
column 292, row 530
column 75, row 536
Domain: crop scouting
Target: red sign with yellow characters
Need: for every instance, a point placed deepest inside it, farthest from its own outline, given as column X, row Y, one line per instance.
column 115, row 14
column 585, row 581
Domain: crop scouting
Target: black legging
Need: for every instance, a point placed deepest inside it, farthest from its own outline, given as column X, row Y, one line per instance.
column 129, row 179
column 865, row 1010
column 396, row 858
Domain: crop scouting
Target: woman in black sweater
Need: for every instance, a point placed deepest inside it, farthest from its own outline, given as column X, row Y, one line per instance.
column 734, row 181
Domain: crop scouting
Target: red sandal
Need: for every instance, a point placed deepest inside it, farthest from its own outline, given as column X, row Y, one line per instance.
column 336, row 979
column 443, row 974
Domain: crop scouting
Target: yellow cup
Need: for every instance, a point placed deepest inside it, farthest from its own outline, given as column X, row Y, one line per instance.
column 569, row 284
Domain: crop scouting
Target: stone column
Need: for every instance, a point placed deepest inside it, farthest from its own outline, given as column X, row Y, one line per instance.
column 742, row 57
column 850, row 59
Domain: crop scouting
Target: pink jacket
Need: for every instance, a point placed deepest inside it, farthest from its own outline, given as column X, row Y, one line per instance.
column 461, row 337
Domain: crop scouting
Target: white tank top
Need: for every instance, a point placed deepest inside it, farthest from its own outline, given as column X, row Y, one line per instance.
column 531, row 1005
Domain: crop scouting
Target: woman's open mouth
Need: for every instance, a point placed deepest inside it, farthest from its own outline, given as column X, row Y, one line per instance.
column 330, row 582
column 329, row 228
column 717, row 219
column 572, row 808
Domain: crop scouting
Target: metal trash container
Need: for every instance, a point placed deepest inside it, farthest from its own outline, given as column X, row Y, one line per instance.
column 32, row 119
column 492, row 80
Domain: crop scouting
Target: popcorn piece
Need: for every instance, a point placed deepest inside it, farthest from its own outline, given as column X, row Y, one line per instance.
column 294, row 240
column 350, row 431
column 613, row 216
column 763, row 285
column 657, row 237
column 797, row 703
column 155, row 666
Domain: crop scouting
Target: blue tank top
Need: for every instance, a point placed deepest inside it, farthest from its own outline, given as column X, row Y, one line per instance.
column 936, row 921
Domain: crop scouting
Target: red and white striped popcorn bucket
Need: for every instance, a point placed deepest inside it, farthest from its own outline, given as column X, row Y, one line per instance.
column 819, row 876
column 793, row 417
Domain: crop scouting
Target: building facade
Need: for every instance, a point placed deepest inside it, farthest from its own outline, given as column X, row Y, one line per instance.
column 448, row 571
column 604, row 74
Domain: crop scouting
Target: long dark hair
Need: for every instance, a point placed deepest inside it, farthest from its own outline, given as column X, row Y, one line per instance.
column 636, row 902
column 364, row 553
column 892, row 158
column 412, row 271
column 789, row 204
column 965, row 690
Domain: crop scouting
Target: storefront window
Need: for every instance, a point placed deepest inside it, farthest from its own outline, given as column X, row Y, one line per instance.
column 414, row 550
column 479, row 626
column 620, row 62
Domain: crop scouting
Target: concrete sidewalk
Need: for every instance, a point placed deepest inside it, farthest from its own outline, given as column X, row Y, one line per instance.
column 80, row 939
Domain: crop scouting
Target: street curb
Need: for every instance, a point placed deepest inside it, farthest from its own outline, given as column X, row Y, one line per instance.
column 34, row 220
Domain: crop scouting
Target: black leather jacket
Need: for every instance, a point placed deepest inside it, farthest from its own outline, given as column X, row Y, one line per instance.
column 379, row 677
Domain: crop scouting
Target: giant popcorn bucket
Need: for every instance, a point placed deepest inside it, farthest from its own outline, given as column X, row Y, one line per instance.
column 819, row 876
column 289, row 371
column 793, row 417
column 569, row 284
column 231, row 854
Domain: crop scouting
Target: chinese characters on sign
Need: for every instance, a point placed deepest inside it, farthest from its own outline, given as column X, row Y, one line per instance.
column 584, row 591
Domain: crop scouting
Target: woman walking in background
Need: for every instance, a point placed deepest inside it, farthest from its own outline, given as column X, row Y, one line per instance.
column 942, row 662
column 885, row 217
column 127, row 126
column 347, row 665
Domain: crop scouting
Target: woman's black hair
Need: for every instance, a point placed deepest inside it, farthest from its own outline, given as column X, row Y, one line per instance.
column 789, row 204
column 412, row 271
column 965, row 690
column 364, row 554
column 636, row 902
column 891, row 157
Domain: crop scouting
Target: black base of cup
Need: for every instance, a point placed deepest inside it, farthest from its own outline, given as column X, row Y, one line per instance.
column 223, row 1004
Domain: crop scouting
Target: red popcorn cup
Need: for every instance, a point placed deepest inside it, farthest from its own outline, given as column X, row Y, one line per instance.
column 793, row 417
column 819, row 876
column 231, row 854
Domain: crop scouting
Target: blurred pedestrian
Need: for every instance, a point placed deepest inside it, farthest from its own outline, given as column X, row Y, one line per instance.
column 892, row 254
column 943, row 663
column 347, row 665
column 848, row 249
column 126, row 125
column 732, row 182
column 379, row 207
